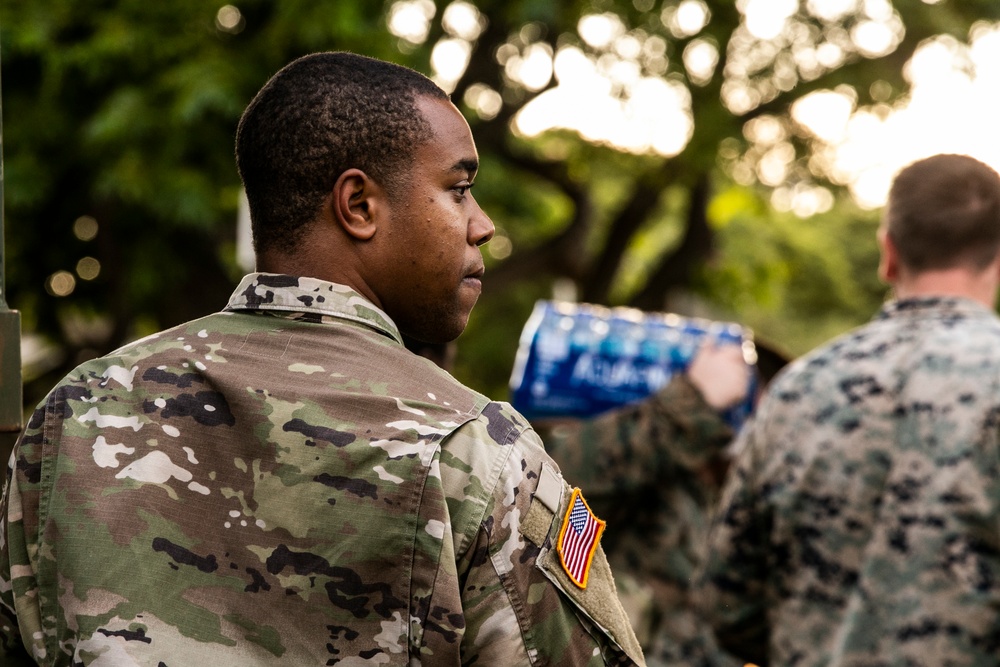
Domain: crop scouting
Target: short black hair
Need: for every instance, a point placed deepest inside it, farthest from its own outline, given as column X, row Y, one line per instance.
column 319, row 116
column 944, row 212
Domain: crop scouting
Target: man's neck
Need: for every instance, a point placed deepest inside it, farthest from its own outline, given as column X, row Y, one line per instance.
column 955, row 282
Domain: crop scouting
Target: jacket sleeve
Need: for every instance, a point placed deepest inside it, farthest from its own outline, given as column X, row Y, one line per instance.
column 731, row 586
column 19, row 609
column 617, row 451
column 520, row 606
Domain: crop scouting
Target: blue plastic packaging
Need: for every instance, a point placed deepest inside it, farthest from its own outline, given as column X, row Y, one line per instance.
column 579, row 360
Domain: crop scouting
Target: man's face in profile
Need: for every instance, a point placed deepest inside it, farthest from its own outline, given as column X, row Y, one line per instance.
column 436, row 228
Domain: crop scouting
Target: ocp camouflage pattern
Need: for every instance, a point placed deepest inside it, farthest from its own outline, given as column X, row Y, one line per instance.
column 282, row 483
column 653, row 470
column 862, row 524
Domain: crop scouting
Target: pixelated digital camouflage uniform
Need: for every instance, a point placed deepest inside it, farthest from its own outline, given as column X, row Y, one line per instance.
column 652, row 469
column 282, row 483
column 862, row 524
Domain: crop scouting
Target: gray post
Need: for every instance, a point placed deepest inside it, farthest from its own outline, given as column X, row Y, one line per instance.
column 11, row 409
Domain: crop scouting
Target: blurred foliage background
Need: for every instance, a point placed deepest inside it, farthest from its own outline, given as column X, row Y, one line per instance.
column 122, row 197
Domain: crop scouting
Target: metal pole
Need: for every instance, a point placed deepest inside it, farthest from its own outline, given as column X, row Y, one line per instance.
column 11, row 410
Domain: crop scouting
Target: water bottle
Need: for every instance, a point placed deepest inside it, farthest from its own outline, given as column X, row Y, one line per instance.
column 579, row 360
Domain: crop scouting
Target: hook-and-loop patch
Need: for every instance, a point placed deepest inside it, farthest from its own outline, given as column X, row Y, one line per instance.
column 578, row 539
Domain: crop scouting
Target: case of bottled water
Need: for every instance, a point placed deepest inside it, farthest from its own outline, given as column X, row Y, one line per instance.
column 578, row 360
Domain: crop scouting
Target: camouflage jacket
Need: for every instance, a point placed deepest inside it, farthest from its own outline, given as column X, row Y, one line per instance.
column 862, row 524
column 653, row 469
column 282, row 483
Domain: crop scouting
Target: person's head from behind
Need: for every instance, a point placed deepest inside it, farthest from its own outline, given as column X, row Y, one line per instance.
column 943, row 214
column 357, row 171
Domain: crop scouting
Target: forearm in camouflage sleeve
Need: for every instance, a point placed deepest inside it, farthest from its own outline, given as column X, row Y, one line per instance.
column 639, row 443
column 730, row 586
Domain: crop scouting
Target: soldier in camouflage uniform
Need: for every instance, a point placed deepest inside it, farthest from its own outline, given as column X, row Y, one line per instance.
column 862, row 524
column 653, row 470
column 282, row 483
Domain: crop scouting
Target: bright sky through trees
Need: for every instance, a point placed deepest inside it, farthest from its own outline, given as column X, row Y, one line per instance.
column 951, row 106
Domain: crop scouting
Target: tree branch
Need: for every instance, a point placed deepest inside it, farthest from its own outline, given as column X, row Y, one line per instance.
column 677, row 267
column 638, row 207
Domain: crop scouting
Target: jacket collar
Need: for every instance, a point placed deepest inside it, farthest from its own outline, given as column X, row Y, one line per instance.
column 303, row 298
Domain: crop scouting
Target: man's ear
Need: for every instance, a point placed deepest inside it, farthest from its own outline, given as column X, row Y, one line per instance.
column 888, row 265
column 355, row 203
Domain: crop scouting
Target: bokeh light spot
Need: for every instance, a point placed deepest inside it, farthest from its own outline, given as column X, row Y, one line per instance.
column 229, row 19
column 88, row 268
column 85, row 228
column 500, row 247
column 60, row 283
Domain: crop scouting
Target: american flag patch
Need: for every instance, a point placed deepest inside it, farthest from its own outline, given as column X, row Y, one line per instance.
column 578, row 539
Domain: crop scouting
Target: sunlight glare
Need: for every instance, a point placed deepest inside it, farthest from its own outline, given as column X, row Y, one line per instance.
column 832, row 10
column 738, row 98
column 857, row 161
column 659, row 110
column 505, row 52
column 830, row 55
column 628, row 47
column 876, row 38
column 764, row 130
column 484, row 100
column 573, row 67
column 463, row 20
column 653, row 116
column 533, row 70
column 765, row 19
column 654, row 54
column 411, row 19
column 700, row 59
column 609, row 97
column 625, row 73
column 946, row 112
column 879, row 10
column 772, row 170
column 601, row 117
column 577, row 81
column 825, row 114
column 449, row 59
column 600, row 30
column 932, row 63
column 803, row 199
column 985, row 55
column 687, row 19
